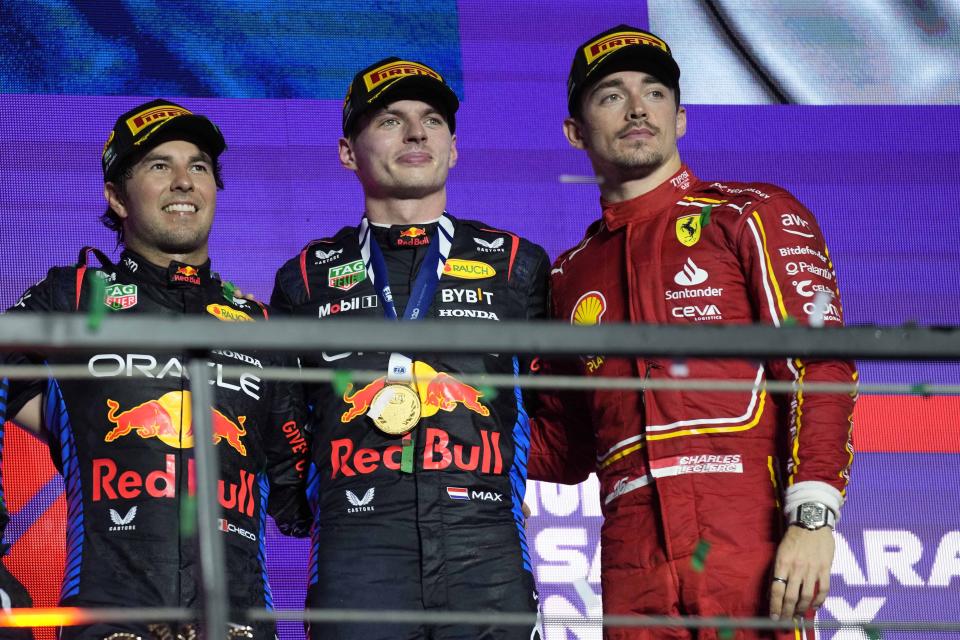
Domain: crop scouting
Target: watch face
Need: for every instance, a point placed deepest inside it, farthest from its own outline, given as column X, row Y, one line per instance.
column 812, row 514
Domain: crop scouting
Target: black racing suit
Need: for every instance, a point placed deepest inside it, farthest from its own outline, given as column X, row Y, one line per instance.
column 12, row 593
column 123, row 442
column 450, row 534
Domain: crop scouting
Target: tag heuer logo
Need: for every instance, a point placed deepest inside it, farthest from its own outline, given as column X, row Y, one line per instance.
column 120, row 296
column 346, row 276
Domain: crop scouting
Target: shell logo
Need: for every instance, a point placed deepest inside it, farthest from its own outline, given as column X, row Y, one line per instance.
column 589, row 308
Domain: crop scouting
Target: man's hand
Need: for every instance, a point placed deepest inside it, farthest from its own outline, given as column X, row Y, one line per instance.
column 801, row 572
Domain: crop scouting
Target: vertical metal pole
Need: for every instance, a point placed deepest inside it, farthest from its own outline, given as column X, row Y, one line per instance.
column 212, row 567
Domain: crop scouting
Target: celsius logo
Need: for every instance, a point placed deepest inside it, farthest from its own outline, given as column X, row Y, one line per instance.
column 123, row 523
column 690, row 275
column 360, row 504
column 807, row 289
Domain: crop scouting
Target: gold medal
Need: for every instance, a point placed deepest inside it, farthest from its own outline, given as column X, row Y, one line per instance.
column 395, row 409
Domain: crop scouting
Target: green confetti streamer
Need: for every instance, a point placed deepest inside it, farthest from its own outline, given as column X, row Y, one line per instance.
column 873, row 633
column 725, row 633
column 228, row 289
column 490, row 393
column 406, row 454
column 98, row 307
column 920, row 389
column 699, row 559
column 705, row 215
column 789, row 321
column 188, row 516
column 342, row 381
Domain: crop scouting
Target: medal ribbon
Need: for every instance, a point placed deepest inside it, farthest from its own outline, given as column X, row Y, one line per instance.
column 428, row 276
column 400, row 367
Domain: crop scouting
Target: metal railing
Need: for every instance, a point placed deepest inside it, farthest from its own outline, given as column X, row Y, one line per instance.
column 64, row 333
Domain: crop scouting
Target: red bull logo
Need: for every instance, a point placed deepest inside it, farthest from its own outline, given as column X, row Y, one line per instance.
column 187, row 274
column 413, row 232
column 360, row 401
column 438, row 454
column 109, row 483
column 445, row 392
column 169, row 420
column 413, row 237
column 437, row 391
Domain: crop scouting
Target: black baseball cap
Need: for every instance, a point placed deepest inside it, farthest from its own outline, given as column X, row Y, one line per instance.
column 394, row 79
column 148, row 125
column 622, row 48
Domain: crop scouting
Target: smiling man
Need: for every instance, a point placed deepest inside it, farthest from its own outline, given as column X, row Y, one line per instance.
column 714, row 503
column 418, row 478
column 123, row 438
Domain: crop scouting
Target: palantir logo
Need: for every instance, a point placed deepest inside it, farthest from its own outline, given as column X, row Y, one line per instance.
column 690, row 275
column 123, row 523
column 360, row 504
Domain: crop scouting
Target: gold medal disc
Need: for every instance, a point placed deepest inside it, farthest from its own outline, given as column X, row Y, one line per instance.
column 395, row 409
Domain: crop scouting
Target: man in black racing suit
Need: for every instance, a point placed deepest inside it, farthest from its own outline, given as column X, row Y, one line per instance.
column 123, row 438
column 430, row 520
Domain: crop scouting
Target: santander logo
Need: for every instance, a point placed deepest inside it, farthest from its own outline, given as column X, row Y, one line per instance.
column 690, row 274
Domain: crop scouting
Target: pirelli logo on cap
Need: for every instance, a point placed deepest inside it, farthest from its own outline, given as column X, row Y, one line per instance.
column 107, row 143
column 138, row 121
column 615, row 41
column 394, row 70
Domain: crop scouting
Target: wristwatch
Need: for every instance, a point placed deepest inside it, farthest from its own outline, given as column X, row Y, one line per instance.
column 813, row 516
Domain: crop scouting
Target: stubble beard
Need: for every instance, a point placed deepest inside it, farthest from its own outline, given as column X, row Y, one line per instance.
column 173, row 241
column 631, row 164
column 181, row 243
column 415, row 187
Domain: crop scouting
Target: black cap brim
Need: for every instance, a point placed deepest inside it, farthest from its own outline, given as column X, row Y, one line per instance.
column 192, row 128
column 421, row 88
column 644, row 58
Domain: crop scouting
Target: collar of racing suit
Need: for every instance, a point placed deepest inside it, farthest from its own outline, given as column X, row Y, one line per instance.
column 403, row 236
column 650, row 204
column 177, row 275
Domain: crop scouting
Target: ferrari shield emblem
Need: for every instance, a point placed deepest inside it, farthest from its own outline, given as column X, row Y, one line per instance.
column 688, row 230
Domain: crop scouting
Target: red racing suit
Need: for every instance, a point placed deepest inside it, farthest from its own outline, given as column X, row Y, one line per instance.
column 686, row 470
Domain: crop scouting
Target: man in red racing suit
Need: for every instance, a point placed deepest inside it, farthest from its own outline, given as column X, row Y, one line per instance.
column 694, row 484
